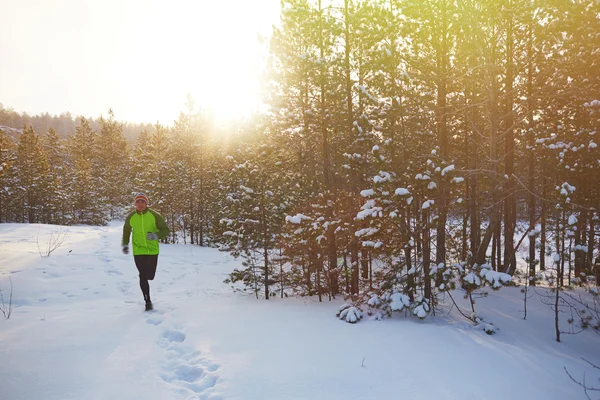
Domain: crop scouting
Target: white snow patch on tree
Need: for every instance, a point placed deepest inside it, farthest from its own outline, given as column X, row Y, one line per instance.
column 494, row 278
column 296, row 219
column 367, row 193
column 350, row 314
column 366, row 232
column 472, row 278
column 427, row 204
column 399, row 301
column 374, row 301
column 364, row 214
column 421, row 310
column 449, row 168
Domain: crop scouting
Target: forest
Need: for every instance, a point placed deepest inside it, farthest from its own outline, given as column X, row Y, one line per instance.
column 402, row 143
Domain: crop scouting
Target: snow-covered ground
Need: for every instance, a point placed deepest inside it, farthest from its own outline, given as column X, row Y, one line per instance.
column 78, row 331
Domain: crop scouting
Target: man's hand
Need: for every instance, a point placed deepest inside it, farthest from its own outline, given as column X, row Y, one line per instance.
column 125, row 250
column 152, row 236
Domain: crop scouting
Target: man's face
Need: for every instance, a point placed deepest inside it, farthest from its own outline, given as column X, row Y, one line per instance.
column 140, row 205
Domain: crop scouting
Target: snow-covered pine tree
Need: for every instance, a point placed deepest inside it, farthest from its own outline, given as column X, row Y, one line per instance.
column 83, row 154
column 254, row 211
column 151, row 164
column 7, row 176
column 139, row 163
column 56, row 210
column 113, row 166
column 32, row 171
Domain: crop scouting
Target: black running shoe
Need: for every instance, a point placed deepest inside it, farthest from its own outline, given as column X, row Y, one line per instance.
column 149, row 306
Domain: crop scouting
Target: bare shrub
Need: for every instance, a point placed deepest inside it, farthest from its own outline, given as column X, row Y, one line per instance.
column 6, row 309
column 55, row 240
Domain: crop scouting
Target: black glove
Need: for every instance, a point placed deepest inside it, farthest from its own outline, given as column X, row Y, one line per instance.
column 152, row 236
column 125, row 250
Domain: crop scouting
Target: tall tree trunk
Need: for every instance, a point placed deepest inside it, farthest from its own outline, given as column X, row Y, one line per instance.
column 510, row 200
column 543, row 228
column 426, row 254
column 405, row 228
column 494, row 224
column 442, row 200
column 266, row 240
column 327, row 178
column 354, row 266
column 531, row 164
column 591, row 241
column 473, row 148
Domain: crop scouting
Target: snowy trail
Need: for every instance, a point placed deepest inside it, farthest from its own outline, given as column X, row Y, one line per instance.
column 78, row 331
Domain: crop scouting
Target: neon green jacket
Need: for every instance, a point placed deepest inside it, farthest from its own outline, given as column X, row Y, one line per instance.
column 141, row 224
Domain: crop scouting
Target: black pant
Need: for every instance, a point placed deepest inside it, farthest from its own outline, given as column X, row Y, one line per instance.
column 146, row 266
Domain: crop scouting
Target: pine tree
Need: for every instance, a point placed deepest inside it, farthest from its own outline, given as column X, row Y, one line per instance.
column 112, row 165
column 56, row 210
column 84, row 180
column 254, row 211
column 32, row 177
column 7, row 176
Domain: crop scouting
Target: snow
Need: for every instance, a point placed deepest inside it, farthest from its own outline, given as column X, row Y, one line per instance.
column 402, row 192
column 420, row 311
column 399, row 301
column 449, row 168
column 296, row 219
column 78, row 331
column 367, row 193
column 382, row 177
column 427, row 204
column 495, row 278
column 572, row 219
column 366, row 232
column 246, row 189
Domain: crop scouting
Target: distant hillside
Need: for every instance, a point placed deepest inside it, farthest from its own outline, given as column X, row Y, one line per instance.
column 10, row 131
column 12, row 122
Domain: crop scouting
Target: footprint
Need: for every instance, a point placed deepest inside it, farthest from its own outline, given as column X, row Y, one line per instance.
column 188, row 369
column 173, row 335
column 113, row 272
column 185, row 373
column 124, row 286
column 154, row 321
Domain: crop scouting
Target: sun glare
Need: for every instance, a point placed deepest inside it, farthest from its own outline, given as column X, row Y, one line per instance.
column 211, row 50
column 139, row 57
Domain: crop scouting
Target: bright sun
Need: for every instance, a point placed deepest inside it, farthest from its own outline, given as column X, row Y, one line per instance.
column 211, row 50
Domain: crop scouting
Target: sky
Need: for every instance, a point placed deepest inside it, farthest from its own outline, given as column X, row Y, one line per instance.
column 139, row 57
column 78, row 330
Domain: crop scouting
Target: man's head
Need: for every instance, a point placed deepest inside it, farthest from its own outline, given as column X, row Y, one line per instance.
column 141, row 202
